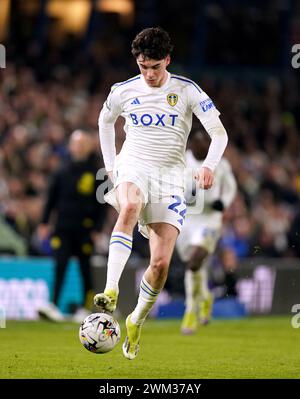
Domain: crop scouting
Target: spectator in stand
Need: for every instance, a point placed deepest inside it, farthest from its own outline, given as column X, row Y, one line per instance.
column 72, row 217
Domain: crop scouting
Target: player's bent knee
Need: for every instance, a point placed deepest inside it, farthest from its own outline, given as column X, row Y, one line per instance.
column 194, row 267
column 196, row 261
column 128, row 215
column 130, row 209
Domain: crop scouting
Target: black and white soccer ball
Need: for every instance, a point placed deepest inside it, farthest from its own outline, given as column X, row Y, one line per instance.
column 99, row 332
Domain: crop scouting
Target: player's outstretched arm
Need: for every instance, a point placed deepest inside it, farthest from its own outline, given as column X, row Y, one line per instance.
column 107, row 118
column 219, row 140
column 205, row 110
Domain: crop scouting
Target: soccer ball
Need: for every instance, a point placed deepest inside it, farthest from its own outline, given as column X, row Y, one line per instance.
column 99, row 333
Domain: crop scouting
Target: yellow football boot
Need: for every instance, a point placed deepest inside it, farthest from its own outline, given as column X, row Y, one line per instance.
column 107, row 300
column 205, row 310
column 131, row 344
column 189, row 323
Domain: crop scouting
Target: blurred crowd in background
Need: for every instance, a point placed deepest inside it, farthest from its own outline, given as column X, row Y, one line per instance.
column 47, row 92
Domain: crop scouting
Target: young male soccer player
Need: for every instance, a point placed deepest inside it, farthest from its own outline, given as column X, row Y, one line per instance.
column 201, row 232
column 148, row 172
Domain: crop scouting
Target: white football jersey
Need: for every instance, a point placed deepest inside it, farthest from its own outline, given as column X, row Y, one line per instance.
column 202, row 225
column 224, row 187
column 157, row 119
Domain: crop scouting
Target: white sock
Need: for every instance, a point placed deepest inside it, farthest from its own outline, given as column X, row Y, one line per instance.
column 146, row 300
column 192, row 289
column 119, row 251
column 204, row 290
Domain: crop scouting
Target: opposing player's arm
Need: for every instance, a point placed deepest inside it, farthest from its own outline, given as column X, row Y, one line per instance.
column 205, row 110
column 109, row 113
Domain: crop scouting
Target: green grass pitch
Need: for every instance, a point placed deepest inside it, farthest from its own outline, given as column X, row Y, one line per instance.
column 262, row 347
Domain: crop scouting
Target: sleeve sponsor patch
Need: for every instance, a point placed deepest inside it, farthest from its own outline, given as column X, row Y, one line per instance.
column 207, row 104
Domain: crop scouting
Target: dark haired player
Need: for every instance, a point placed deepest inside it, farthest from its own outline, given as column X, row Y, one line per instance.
column 148, row 172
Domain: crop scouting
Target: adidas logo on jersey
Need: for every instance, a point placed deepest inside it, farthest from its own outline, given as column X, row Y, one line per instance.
column 136, row 101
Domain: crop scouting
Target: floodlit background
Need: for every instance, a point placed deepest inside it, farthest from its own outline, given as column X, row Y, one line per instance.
column 62, row 56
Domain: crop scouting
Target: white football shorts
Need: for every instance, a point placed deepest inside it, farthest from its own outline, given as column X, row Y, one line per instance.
column 163, row 200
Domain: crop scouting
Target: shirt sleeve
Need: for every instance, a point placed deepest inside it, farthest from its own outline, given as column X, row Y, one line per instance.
column 202, row 105
column 108, row 115
column 205, row 110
